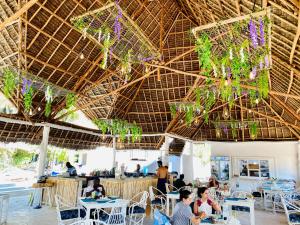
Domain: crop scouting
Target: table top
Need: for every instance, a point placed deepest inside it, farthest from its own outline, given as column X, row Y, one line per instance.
column 102, row 203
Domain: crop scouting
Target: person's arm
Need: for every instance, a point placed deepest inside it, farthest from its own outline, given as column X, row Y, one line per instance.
column 196, row 208
column 195, row 220
column 103, row 190
column 216, row 206
column 157, row 173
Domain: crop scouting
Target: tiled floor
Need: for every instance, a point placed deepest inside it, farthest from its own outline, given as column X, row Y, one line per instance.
column 22, row 214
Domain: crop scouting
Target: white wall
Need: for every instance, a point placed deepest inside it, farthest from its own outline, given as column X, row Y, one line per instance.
column 284, row 154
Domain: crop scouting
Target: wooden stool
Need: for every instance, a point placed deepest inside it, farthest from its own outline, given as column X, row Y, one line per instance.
column 40, row 187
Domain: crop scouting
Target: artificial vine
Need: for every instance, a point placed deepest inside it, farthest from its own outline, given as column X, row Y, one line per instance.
column 49, row 99
column 126, row 65
column 120, row 127
column 9, row 82
column 203, row 50
column 70, row 100
column 253, row 130
column 27, row 91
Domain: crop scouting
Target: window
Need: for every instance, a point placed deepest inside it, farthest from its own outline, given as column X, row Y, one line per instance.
column 254, row 168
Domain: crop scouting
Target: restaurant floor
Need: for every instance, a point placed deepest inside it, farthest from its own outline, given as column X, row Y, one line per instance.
column 21, row 214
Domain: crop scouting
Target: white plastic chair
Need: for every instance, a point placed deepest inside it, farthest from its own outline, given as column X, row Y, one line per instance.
column 170, row 187
column 66, row 212
column 137, row 210
column 4, row 201
column 292, row 211
column 116, row 216
column 157, row 201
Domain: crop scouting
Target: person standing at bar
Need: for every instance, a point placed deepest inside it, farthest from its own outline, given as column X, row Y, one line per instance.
column 162, row 174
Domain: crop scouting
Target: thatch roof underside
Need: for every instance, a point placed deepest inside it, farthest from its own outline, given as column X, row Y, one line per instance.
column 43, row 42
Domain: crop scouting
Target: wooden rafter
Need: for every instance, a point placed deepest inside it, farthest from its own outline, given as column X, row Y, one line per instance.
column 14, row 17
column 279, row 117
column 295, row 39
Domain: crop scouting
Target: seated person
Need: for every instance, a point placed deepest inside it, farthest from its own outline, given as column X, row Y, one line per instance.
column 183, row 213
column 225, row 190
column 179, row 183
column 97, row 187
column 204, row 203
column 213, row 182
column 71, row 169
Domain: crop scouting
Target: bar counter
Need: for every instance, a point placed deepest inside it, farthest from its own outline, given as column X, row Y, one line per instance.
column 69, row 188
column 128, row 187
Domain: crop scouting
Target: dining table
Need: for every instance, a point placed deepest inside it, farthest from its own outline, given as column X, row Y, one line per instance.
column 104, row 203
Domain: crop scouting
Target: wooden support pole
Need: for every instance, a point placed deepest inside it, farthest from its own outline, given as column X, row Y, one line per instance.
column 43, row 151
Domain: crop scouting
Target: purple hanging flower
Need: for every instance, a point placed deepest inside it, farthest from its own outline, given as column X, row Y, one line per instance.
column 117, row 24
column 253, row 33
column 266, row 61
column 261, row 31
column 25, row 86
column 253, row 73
column 261, row 65
column 225, row 129
column 147, row 59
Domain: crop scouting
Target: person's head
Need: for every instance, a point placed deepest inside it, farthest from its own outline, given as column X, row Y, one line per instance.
column 138, row 166
column 203, row 192
column 185, row 197
column 159, row 163
column 96, row 182
column 225, row 186
column 166, row 167
column 68, row 165
column 181, row 177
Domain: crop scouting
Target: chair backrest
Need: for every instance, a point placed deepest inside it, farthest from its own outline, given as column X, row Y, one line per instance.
column 160, row 218
column 117, row 215
column 285, row 207
column 151, row 193
column 61, row 205
column 170, row 188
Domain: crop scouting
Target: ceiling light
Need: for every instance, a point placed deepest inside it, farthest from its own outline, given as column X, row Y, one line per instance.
column 249, row 111
column 256, row 101
column 81, row 56
column 30, row 112
column 39, row 109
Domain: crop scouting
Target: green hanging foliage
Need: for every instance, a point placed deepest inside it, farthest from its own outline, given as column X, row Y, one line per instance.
column 27, row 99
column 48, row 109
column 234, row 127
column 253, row 130
column 102, row 125
column 203, row 50
column 9, row 82
column 263, row 84
column 198, row 97
column 189, row 115
column 70, row 100
column 120, row 127
column 173, row 110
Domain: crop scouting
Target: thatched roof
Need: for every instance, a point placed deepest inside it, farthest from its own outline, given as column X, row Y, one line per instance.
column 42, row 41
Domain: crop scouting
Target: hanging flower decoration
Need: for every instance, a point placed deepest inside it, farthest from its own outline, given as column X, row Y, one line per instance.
column 105, row 50
column 126, row 66
column 49, row 99
column 70, row 100
column 117, row 24
column 27, row 92
column 121, row 128
column 9, row 82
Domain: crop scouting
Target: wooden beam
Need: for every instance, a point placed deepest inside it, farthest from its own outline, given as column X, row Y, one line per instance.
column 290, row 128
column 242, row 118
column 290, row 84
column 231, row 20
column 295, row 40
column 14, row 17
column 284, row 106
column 269, row 117
column 238, row 7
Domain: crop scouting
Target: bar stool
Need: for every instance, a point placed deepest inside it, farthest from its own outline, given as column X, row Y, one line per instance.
column 39, row 189
column 4, row 201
